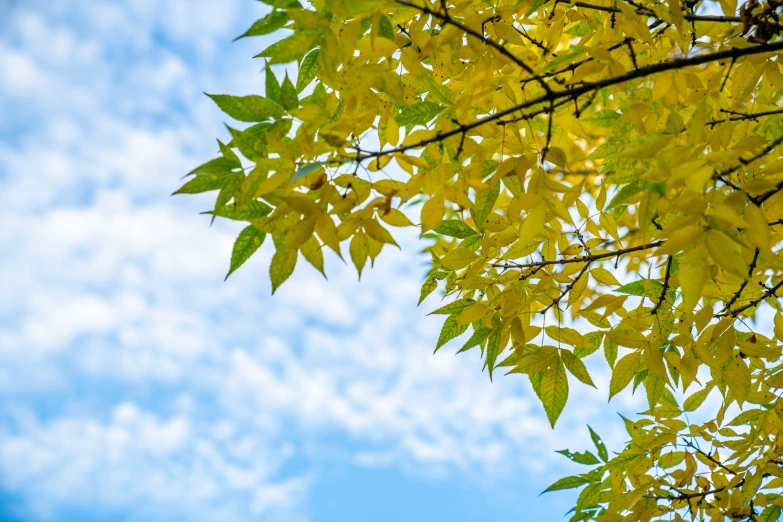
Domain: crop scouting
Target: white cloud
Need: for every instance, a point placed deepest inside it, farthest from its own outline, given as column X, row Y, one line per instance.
column 136, row 461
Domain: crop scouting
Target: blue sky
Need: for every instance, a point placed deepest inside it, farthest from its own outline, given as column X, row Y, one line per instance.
column 136, row 385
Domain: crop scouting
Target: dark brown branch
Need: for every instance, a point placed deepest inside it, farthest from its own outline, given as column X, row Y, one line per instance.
column 575, row 65
column 744, row 283
column 594, row 257
column 685, row 496
column 758, row 200
column 708, row 457
column 531, row 115
column 755, row 302
column 568, row 288
column 665, row 286
column 677, row 63
column 631, row 51
column 651, row 14
column 548, row 132
column 741, row 116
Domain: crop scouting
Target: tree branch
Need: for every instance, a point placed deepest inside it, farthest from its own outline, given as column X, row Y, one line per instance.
column 665, row 286
column 676, row 63
column 744, row 283
column 651, row 13
column 592, row 257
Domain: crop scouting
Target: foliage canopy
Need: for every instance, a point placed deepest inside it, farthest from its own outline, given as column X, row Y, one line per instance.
column 597, row 176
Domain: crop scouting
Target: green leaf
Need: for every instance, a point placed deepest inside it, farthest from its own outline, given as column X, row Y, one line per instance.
column 493, row 346
column 771, row 513
column 204, row 183
column 554, row 391
column 582, row 29
column 646, row 146
column 485, row 202
column 385, row 29
column 536, row 359
column 252, row 210
column 577, row 368
column 642, row 287
column 599, row 445
column 251, row 108
column 603, row 119
column 623, row 372
column 566, row 483
column 216, row 166
column 453, row 307
column 589, row 496
column 584, row 457
column 417, row 114
column 290, row 49
column 479, row 336
column 610, row 351
column 471, row 243
column 288, row 97
column 269, row 24
column 451, row 329
column 625, row 194
column 455, row 228
column 534, row 6
column 427, row 288
column 747, row 417
column 272, row 85
column 308, row 69
column 281, row 4
column 246, row 244
column 282, row 266
column 229, row 189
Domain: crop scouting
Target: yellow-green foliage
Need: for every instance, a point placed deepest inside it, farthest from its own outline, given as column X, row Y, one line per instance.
column 597, row 177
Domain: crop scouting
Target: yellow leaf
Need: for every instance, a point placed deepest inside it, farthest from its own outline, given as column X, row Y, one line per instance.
column 610, row 225
column 572, row 250
column 624, row 370
column 726, row 254
column 360, row 251
column 458, row 258
column 758, row 230
column 432, row 213
column 327, row 231
column 679, row 240
column 396, row 218
column 377, row 232
column 604, row 277
column 299, row 233
column 532, row 224
column 738, row 379
column 472, row 313
column 654, row 359
column 629, row 338
column 496, row 223
column 693, row 276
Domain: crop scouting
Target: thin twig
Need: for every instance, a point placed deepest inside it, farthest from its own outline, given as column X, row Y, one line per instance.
column 744, row 283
